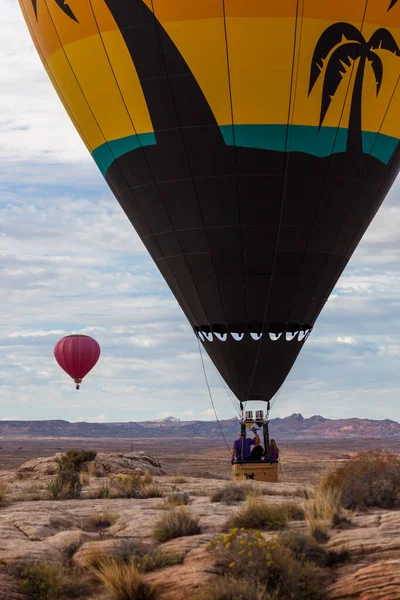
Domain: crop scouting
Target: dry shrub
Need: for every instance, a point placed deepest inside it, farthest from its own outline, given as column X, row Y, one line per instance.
column 154, row 490
column 101, row 520
column 104, row 491
column 52, row 581
column 154, row 559
column 123, row 581
column 294, row 511
column 178, row 499
column 228, row 588
column 175, row 523
column 277, row 565
column 368, row 479
column 259, row 515
column 3, row 489
column 84, row 478
column 55, row 488
column 178, row 479
column 230, row 494
column 147, row 477
column 127, row 486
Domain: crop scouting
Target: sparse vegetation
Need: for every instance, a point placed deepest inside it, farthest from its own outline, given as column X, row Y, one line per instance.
column 294, row 511
column 368, row 479
column 154, row 559
column 127, row 486
column 277, row 565
column 52, row 581
column 104, row 491
column 101, row 520
column 3, row 489
column 230, row 494
column 30, row 494
column 178, row 499
column 84, row 478
column 74, row 460
column 154, row 490
column 228, row 588
column 147, row 477
column 175, row 523
column 178, row 479
column 123, row 581
column 257, row 514
column 64, row 485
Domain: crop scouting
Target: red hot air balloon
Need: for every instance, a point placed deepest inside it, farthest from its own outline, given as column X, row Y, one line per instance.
column 77, row 355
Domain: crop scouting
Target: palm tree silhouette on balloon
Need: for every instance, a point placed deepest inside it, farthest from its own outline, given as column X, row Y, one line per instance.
column 345, row 44
column 65, row 8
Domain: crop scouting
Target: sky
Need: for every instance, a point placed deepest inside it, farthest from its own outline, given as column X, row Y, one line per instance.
column 71, row 262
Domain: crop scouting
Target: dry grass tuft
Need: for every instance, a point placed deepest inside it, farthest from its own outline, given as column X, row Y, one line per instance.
column 294, row 511
column 368, row 479
column 147, row 477
column 178, row 499
column 178, row 479
column 154, row 490
column 232, row 493
column 257, row 514
column 228, row 588
column 175, row 523
column 84, row 478
column 101, row 520
column 123, row 581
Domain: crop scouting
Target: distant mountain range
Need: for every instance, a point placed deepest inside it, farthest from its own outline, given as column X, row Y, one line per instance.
column 295, row 427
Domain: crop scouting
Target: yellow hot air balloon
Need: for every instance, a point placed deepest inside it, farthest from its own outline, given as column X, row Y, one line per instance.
column 249, row 142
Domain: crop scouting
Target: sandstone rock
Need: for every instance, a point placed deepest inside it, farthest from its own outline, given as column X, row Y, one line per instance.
column 9, row 588
column 120, row 548
column 182, row 546
column 376, row 536
column 104, row 464
column 39, row 467
column 68, row 542
column 378, row 581
column 132, row 462
column 182, row 581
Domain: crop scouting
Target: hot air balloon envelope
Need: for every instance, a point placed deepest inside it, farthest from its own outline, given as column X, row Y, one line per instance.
column 77, row 355
column 249, row 143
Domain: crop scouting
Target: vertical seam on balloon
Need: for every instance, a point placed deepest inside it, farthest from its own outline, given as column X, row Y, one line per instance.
column 151, row 170
column 282, row 202
column 54, row 82
column 323, row 183
column 157, row 24
column 228, row 70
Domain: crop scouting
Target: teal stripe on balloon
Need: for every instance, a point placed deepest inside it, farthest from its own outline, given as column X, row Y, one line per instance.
column 295, row 138
column 310, row 140
column 105, row 154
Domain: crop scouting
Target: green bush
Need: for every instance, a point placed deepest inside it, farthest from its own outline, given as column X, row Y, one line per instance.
column 74, row 460
column 257, row 514
column 154, row 559
column 277, row 565
column 43, row 581
column 230, row 494
column 368, row 479
column 71, row 482
column 175, row 523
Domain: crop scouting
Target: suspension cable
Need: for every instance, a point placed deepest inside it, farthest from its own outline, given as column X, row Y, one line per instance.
column 211, row 398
